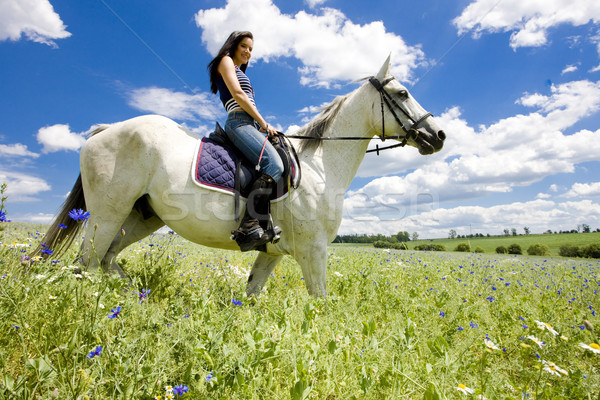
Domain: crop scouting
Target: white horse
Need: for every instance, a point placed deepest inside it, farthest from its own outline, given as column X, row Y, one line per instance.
column 136, row 177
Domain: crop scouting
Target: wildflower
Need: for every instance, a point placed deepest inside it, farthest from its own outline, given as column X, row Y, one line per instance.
column 236, row 302
column 442, row 314
column 490, row 345
column 462, row 388
column 101, row 306
column 460, row 328
column 536, row 341
column 336, row 273
column 180, row 390
column 79, row 214
column 564, row 338
column 95, row 352
column 143, row 295
column 490, row 298
column 554, row 369
column 473, row 325
column 62, row 226
column 45, row 249
column 115, row 312
column 3, row 216
column 52, row 297
column 544, row 326
column 209, row 377
column 593, row 347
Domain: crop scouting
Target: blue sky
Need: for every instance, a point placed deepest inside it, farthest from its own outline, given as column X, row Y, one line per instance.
column 514, row 83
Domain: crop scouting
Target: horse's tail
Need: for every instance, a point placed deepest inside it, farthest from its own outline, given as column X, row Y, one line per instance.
column 63, row 229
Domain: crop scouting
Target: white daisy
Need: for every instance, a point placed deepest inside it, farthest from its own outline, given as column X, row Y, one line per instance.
column 462, row 388
column 536, row 341
column 489, row 344
column 593, row 347
column 554, row 369
column 544, row 326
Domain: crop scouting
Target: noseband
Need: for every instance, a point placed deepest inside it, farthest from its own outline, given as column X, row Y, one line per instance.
column 411, row 132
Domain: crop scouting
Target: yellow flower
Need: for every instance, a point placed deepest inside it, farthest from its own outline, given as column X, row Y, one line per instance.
column 593, row 347
column 462, row 388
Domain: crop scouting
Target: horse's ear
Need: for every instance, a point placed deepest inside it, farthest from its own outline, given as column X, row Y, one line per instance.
column 385, row 69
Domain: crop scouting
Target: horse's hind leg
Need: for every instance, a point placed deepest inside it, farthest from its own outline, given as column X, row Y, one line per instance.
column 262, row 268
column 135, row 228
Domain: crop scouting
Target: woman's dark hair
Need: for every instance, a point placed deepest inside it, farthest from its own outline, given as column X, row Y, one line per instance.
column 228, row 49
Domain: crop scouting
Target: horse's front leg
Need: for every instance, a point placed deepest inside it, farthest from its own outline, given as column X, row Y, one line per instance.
column 313, row 261
column 262, row 268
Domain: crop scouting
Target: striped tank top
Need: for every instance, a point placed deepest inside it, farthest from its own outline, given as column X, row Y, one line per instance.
column 226, row 97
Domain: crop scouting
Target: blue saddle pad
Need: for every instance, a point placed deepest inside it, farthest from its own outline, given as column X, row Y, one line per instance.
column 215, row 166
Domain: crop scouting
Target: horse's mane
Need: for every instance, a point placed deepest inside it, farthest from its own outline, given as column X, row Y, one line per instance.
column 316, row 128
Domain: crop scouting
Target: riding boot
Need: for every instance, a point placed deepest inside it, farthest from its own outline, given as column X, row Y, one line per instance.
column 251, row 233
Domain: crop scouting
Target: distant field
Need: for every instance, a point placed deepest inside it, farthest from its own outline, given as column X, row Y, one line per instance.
column 489, row 244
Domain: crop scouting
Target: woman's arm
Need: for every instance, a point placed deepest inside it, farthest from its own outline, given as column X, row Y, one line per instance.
column 227, row 70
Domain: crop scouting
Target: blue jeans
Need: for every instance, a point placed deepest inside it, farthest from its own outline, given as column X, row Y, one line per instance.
column 243, row 133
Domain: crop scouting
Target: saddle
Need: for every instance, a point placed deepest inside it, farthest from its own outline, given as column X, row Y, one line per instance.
column 220, row 166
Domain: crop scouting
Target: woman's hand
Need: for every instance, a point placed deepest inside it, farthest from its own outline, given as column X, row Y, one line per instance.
column 268, row 129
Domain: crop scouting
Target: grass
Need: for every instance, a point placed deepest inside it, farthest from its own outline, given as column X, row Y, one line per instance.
column 489, row 244
column 402, row 325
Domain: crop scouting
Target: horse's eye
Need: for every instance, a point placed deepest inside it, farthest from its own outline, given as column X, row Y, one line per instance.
column 403, row 93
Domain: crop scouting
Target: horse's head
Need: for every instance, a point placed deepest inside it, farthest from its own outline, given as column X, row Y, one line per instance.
column 402, row 117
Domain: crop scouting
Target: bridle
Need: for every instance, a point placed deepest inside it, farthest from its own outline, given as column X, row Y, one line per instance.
column 409, row 133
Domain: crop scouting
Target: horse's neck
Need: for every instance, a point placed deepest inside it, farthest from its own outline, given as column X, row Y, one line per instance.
column 337, row 161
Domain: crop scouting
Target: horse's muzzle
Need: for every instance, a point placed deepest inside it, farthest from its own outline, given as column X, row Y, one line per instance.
column 429, row 143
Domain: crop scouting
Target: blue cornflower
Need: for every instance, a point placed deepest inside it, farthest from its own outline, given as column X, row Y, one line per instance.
column 95, row 352
column 521, row 318
column 442, row 314
column 209, row 377
column 179, row 390
column 79, row 214
column 525, row 326
column 115, row 312
column 62, row 226
column 490, row 298
column 143, row 295
column 45, row 249
column 473, row 325
column 3, row 216
column 460, row 328
column 236, row 302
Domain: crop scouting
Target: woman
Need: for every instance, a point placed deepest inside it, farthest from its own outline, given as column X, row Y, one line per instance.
column 245, row 128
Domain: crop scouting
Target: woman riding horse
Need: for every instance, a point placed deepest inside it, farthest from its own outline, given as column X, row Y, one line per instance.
column 244, row 128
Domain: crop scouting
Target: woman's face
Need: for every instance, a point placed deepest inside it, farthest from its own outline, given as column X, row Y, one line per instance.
column 243, row 52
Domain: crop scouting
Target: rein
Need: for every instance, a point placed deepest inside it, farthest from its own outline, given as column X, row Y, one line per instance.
column 410, row 133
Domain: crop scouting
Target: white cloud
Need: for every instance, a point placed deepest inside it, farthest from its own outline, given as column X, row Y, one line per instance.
column 16, row 150
column 315, row 3
column 330, row 46
column 515, row 151
column 34, row 19
column 569, row 68
column 38, row 218
column 528, row 20
column 591, row 189
column 176, row 105
column 59, row 137
column 539, row 215
column 22, row 187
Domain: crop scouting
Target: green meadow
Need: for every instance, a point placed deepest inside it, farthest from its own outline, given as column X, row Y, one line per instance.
column 395, row 325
